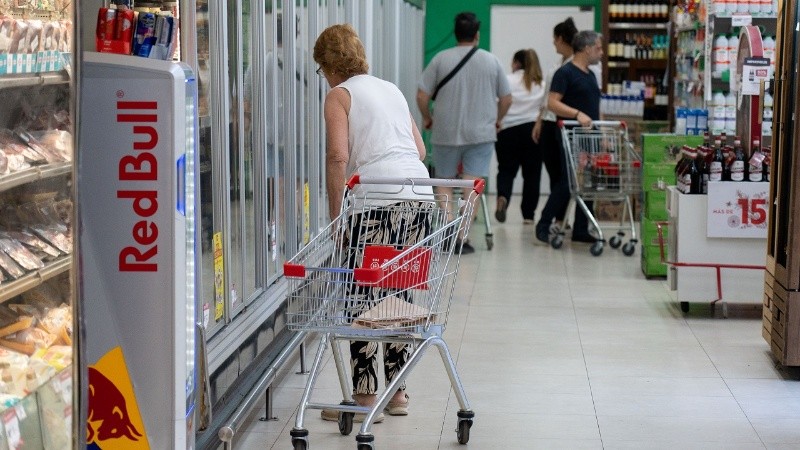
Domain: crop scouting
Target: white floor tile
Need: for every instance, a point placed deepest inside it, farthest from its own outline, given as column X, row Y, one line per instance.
column 557, row 349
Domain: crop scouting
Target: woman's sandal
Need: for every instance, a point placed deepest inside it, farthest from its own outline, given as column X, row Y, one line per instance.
column 395, row 408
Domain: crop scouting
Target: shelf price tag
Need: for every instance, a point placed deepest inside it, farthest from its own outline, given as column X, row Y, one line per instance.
column 754, row 70
column 11, row 424
column 737, row 209
column 740, row 20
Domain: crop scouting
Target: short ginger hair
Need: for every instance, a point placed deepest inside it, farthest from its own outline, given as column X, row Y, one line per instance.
column 338, row 50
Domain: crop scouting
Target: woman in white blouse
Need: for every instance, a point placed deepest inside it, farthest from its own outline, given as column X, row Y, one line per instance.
column 514, row 147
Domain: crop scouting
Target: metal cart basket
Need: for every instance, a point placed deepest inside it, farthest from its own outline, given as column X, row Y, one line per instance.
column 384, row 270
column 601, row 165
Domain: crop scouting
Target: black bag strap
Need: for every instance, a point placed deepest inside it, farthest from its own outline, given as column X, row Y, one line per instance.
column 453, row 72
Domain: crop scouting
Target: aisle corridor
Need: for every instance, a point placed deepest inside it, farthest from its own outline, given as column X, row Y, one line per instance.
column 558, row 349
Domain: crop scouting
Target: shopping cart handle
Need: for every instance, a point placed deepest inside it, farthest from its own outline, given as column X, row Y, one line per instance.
column 367, row 275
column 595, row 123
column 477, row 185
column 294, row 270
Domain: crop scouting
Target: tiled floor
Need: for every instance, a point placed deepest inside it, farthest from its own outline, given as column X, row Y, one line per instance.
column 558, row 349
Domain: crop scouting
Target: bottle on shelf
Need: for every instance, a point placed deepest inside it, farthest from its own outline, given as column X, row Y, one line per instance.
column 768, row 44
column 767, row 162
column 733, row 49
column 692, row 176
column 702, row 169
column 755, row 170
column 742, row 6
column 717, row 116
column 730, row 113
column 717, row 162
column 721, row 57
column 737, row 165
column 680, row 169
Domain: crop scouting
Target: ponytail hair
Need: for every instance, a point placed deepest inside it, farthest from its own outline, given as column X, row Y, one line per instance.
column 566, row 30
column 532, row 70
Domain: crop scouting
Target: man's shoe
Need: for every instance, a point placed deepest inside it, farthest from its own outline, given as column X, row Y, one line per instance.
column 500, row 212
column 542, row 237
column 464, row 246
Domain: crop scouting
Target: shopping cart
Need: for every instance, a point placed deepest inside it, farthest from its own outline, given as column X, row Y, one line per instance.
column 351, row 283
column 601, row 165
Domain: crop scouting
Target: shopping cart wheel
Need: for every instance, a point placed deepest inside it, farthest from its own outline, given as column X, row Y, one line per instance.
column 299, row 438
column 629, row 248
column 557, row 241
column 462, row 432
column 346, row 423
column 364, row 442
column 616, row 240
column 489, row 241
column 597, row 248
column 685, row 307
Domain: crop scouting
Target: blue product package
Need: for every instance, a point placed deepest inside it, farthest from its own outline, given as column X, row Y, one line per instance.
column 145, row 38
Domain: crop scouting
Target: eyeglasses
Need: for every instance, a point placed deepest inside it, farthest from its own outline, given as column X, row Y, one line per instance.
column 319, row 71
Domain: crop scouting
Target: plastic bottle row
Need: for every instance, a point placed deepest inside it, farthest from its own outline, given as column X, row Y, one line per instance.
column 752, row 7
column 726, row 48
column 622, row 105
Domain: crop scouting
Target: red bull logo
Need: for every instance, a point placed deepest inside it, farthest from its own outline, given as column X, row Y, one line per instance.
column 113, row 421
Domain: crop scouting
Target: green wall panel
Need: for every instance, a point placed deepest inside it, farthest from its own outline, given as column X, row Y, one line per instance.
column 439, row 15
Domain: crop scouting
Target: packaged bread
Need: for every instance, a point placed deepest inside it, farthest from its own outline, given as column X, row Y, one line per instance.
column 11, row 358
column 28, row 340
column 57, row 356
column 56, row 320
column 22, row 323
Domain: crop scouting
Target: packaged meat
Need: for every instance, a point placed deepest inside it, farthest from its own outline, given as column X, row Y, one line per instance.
column 50, row 154
column 3, row 163
column 34, row 243
column 57, row 142
column 11, row 145
column 17, row 44
column 20, row 254
column 10, row 267
column 33, row 39
column 7, row 26
column 16, row 162
column 55, row 237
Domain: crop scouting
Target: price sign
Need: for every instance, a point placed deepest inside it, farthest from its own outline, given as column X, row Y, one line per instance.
column 740, row 20
column 737, row 210
column 11, row 424
column 754, row 71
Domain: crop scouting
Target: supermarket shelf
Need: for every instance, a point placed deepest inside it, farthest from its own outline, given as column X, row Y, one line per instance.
column 33, row 79
column 618, row 64
column 33, row 174
column 636, row 26
column 29, row 281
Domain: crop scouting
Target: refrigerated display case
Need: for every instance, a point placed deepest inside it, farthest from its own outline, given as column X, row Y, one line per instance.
column 37, row 301
column 138, row 259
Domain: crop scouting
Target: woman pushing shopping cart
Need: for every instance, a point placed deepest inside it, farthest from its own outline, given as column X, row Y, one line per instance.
column 384, row 272
column 601, row 165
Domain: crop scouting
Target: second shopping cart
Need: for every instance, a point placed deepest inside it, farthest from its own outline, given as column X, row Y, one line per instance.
column 601, row 165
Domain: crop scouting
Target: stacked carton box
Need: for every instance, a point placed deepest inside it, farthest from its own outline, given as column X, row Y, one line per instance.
column 659, row 155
